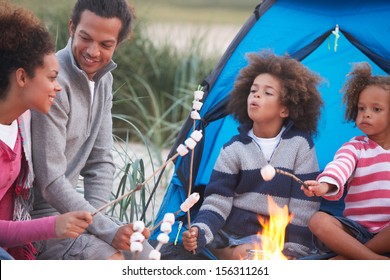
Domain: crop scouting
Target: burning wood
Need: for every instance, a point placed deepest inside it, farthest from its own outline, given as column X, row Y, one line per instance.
column 272, row 235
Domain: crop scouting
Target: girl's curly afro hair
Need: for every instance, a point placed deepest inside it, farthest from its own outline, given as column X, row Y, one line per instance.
column 359, row 78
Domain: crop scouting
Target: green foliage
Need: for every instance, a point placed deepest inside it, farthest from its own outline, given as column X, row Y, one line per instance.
column 155, row 86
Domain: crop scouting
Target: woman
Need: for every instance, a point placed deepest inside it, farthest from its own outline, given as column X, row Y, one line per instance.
column 28, row 80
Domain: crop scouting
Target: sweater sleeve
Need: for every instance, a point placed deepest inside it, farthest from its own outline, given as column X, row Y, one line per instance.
column 341, row 168
column 50, row 167
column 218, row 201
column 16, row 233
column 298, row 236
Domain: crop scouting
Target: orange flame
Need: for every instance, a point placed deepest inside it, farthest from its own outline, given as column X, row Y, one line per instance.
column 273, row 232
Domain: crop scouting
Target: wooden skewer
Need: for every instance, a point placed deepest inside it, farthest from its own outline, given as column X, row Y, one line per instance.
column 292, row 176
column 138, row 187
column 190, row 185
column 159, row 224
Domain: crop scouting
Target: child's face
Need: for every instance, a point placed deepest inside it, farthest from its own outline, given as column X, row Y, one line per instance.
column 264, row 101
column 373, row 116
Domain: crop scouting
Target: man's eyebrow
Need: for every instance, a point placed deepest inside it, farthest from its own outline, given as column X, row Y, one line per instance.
column 113, row 41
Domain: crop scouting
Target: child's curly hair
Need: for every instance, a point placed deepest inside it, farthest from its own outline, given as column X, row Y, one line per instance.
column 299, row 89
column 360, row 78
column 24, row 43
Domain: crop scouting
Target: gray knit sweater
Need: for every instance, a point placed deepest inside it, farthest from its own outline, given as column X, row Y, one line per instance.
column 73, row 140
column 237, row 194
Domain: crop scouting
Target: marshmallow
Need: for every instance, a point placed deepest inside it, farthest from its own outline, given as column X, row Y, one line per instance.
column 163, row 238
column 197, row 105
column 137, row 237
column 155, row 255
column 198, row 94
column 193, row 198
column 268, row 172
column 189, row 202
column 139, row 226
column 185, row 206
column 136, row 247
column 190, row 143
column 169, row 218
column 166, row 227
column 182, row 150
column 197, row 135
column 195, row 115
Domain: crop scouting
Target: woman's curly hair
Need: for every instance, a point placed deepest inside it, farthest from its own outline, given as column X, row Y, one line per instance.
column 359, row 78
column 24, row 43
column 299, row 89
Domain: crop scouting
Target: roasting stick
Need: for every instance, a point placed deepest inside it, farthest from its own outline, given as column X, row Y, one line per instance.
column 182, row 150
column 168, row 221
column 159, row 224
column 138, row 187
column 163, row 238
column 268, row 173
column 292, row 176
column 197, row 105
column 190, row 185
column 184, row 207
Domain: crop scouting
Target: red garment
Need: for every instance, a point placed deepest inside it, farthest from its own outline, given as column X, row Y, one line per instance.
column 10, row 164
column 365, row 166
column 18, row 234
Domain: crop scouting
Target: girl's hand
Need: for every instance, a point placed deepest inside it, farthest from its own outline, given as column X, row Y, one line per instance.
column 316, row 188
column 190, row 238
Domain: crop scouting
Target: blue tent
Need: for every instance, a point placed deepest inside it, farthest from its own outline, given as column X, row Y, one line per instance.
column 302, row 29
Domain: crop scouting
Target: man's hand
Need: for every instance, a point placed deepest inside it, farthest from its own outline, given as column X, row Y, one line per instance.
column 121, row 239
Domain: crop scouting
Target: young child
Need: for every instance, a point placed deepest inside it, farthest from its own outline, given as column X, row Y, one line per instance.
column 363, row 164
column 28, row 80
column 276, row 101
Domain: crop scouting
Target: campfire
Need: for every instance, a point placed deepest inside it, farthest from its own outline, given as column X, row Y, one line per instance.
column 273, row 234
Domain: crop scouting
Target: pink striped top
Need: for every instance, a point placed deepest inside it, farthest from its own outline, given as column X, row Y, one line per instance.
column 365, row 166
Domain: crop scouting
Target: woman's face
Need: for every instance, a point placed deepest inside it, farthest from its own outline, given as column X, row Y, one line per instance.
column 39, row 91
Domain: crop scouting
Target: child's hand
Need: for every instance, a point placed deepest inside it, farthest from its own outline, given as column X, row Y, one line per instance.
column 72, row 224
column 316, row 188
column 190, row 238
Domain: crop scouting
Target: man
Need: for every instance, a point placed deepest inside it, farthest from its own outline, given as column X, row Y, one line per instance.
column 75, row 138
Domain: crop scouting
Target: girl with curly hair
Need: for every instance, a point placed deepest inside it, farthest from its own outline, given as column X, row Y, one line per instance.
column 361, row 167
column 28, row 80
column 276, row 101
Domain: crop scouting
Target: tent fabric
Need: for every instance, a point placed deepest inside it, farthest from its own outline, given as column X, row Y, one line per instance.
column 302, row 29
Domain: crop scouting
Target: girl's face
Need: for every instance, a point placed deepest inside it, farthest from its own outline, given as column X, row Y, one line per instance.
column 264, row 102
column 373, row 117
column 39, row 92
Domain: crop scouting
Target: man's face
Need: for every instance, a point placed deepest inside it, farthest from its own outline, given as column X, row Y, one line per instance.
column 94, row 41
